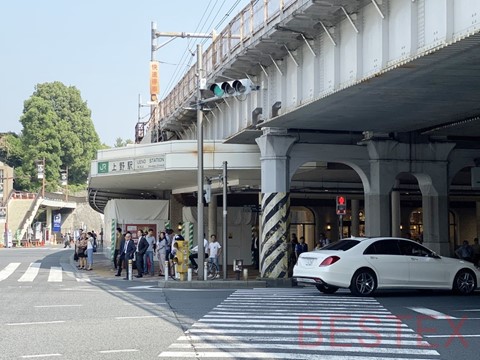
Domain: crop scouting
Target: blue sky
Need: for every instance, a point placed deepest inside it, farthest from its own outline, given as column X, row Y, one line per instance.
column 102, row 47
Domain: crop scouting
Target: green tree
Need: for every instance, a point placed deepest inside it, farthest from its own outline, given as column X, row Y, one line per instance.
column 57, row 126
column 119, row 142
column 11, row 149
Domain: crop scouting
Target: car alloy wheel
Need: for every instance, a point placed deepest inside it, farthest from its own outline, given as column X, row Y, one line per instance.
column 464, row 283
column 327, row 289
column 363, row 283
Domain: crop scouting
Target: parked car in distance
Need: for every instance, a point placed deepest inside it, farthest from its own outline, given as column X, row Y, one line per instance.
column 364, row 265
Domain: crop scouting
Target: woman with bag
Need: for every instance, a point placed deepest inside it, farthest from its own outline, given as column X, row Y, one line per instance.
column 81, row 251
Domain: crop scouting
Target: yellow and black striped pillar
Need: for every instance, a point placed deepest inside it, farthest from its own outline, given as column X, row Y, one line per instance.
column 275, row 229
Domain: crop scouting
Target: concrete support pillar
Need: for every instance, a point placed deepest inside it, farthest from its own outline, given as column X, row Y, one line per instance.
column 434, row 188
column 48, row 224
column 275, row 145
column 396, row 211
column 212, row 216
column 377, row 200
column 355, row 226
column 383, row 172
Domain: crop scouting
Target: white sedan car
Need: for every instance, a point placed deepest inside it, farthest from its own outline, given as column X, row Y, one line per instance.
column 366, row 264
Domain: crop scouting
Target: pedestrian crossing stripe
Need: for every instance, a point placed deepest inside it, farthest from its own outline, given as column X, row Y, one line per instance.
column 266, row 324
column 9, row 270
column 31, row 273
column 55, row 273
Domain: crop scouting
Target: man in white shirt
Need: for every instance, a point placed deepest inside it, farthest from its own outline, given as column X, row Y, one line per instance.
column 214, row 250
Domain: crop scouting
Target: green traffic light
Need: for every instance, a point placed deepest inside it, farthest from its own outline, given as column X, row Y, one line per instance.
column 217, row 91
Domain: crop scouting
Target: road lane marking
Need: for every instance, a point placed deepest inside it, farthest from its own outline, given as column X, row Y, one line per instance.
column 31, row 273
column 310, row 341
column 9, row 269
column 280, row 315
column 145, row 303
column 432, row 313
column 55, row 274
column 57, row 306
column 378, row 327
column 37, row 323
column 347, row 348
column 453, row 336
column 136, row 317
column 39, row 356
column 405, row 333
column 264, row 355
column 117, row 351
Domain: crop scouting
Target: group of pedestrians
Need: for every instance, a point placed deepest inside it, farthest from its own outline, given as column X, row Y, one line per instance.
column 85, row 246
column 164, row 248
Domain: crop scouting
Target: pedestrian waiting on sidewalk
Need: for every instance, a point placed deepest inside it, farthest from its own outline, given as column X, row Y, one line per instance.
column 194, row 254
column 90, row 248
column 142, row 246
column 148, row 257
column 161, row 253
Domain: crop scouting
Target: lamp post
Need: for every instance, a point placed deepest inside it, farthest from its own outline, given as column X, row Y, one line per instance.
column 5, row 191
column 64, row 181
column 41, row 173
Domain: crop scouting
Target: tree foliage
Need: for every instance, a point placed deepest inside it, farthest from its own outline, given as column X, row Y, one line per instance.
column 119, row 142
column 11, row 149
column 57, row 127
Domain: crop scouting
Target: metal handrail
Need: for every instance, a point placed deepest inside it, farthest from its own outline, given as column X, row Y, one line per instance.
column 28, row 214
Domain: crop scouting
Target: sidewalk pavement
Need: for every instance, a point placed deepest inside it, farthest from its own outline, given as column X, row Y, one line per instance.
column 103, row 267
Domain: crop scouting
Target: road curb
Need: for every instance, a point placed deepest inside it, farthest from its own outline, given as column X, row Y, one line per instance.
column 212, row 284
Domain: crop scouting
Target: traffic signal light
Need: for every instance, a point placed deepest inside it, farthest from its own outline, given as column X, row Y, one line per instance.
column 341, row 205
column 181, row 257
column 232, row 88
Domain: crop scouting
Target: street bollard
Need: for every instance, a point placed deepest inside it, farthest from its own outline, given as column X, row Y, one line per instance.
column 177, row 274
column 130, row 269
column 205, row 270
column 245, row 274
column 189, row 274
column 166, row 270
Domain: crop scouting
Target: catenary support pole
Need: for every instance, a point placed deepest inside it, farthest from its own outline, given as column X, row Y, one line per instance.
column 224, row 227
column 200, row 230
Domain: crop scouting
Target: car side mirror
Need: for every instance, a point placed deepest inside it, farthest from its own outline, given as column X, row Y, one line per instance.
column 435, row 255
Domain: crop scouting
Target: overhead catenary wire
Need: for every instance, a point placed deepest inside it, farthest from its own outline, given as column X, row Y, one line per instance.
column 183, row 59
column 186, row 61
column 179, row 71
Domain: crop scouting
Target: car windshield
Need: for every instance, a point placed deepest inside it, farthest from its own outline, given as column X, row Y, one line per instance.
column 343, row 245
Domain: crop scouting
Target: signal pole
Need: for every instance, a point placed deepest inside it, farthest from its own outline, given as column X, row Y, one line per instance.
column 155, row 109
column 200, row 230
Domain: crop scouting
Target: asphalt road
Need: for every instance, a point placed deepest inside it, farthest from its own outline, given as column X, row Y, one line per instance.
column 50, row 310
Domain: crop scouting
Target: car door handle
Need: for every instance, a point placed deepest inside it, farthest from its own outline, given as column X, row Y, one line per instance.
column 414, row 259
column 373, row 257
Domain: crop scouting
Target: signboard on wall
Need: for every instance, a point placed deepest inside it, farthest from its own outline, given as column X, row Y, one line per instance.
column 138, row 164
column 57, row 222
column 3, row 215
